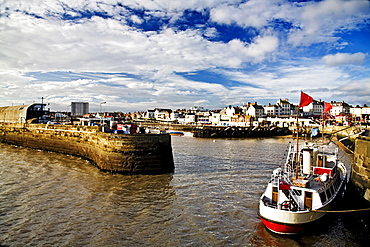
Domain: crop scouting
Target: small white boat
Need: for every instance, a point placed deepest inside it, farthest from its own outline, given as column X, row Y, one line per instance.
column 304, row 189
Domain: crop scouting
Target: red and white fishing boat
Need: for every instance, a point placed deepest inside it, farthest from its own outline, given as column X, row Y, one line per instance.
column 301, row 193
column 304, row 189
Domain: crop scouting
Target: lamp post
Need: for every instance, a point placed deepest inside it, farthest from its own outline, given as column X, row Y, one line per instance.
column 101, row 104
column 67, row 112
column 100, row 111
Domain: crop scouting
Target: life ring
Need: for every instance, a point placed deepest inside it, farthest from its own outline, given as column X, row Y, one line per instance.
column 286, row 205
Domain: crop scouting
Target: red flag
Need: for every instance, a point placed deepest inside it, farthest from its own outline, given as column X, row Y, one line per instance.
column 327, row 107
column 305, row 99
column 284, row 185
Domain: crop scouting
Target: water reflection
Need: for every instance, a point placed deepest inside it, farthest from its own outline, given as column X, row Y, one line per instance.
column 210, row 200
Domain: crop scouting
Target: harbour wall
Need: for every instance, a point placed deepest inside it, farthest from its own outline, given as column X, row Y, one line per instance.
column 360, row 176
column 117, row 153
column 237, row 132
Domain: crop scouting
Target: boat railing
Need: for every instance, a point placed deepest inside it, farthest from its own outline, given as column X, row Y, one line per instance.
column 296, row 197
column 291, row 160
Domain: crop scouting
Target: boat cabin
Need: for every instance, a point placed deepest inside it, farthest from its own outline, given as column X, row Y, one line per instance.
column 317, row 182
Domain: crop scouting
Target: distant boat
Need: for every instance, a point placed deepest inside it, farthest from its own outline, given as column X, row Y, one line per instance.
column 176, row 133
column 302, row 191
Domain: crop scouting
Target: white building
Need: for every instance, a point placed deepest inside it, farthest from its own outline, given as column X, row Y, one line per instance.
column 149, row 114
column 339, row 108
column 314, row 109
column 255, row 110
column 190, row 118
column 204, row 117
column 162, row 114
column 286, row 107
column 356, row 112
column 273, row 110
column 215, row 118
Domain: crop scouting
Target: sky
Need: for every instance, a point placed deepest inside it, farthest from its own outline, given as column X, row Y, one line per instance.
column 137, row 55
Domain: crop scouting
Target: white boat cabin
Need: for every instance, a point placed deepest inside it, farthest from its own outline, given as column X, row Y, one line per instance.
column 313, row 186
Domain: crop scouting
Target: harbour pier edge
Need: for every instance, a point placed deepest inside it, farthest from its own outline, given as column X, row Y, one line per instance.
column 116, row 153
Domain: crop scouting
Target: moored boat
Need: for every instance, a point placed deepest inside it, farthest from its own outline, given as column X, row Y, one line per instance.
column 176, row 133
column 304, row 189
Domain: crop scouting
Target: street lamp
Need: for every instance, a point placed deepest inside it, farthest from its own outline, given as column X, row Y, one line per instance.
column 67, row 112
column 101, row 104
column 100, row 110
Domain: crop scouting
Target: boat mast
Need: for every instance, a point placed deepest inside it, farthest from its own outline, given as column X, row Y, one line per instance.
column 305, row 100
column 296, row 156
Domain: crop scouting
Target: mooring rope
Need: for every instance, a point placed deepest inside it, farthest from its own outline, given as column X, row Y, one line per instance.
column 341, row 211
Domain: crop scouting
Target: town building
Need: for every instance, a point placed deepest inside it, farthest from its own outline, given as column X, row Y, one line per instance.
column 314, row 109
column 254, row 110
column 339, row 108
column 272, row 110
column 162, row 114
column 78, row 109
column 286, row 108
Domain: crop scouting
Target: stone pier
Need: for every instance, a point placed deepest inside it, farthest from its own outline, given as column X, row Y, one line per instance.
column 117, row 153
column 360, row 177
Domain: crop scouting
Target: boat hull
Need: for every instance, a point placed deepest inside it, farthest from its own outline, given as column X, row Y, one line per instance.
column 176, row 133
column 294, row 222
column 288, row 222
column 282, row 228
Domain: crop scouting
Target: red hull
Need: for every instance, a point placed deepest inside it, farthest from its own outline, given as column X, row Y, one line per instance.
column 282, row 228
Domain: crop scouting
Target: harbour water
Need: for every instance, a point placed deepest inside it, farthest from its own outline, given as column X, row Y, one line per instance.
column 50, row 199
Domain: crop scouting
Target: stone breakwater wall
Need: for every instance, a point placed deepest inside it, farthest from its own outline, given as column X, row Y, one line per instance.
column 239, row 132
column 360, row 177
column 117, row 153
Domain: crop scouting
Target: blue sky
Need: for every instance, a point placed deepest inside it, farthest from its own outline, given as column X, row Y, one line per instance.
column 141, row 54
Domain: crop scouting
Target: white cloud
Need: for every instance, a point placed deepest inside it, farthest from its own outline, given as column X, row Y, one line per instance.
column 357, row 92
column 253, row 13
column 286, row 80
column 262, row 46
column 344, row 59
column 319, row 21
column 98, row 44
column 102, row 44
column 136, row 19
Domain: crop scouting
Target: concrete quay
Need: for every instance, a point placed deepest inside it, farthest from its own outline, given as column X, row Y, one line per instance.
column 117, row 153
column 360, row 176
column 357, row 143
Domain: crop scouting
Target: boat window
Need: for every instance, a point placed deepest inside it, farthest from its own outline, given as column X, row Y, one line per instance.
column 337, row 182
column 328, row 193
column 332, row 190
column 330, row 164
column 320, row 161
column 274, row 195
column 323, row 197
column 307, row 199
